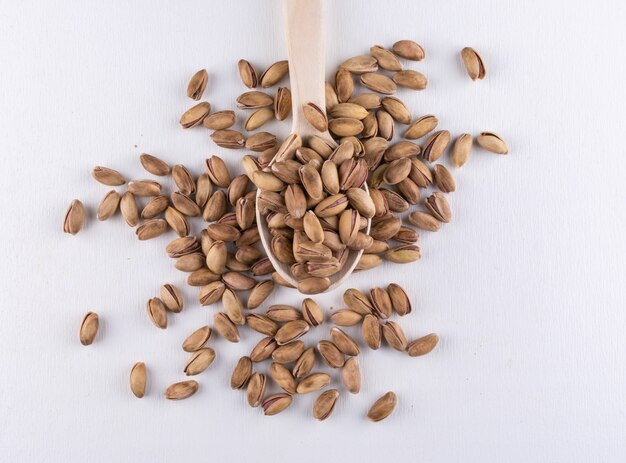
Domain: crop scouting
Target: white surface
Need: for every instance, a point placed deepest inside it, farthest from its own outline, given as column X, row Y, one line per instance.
column 526, row 287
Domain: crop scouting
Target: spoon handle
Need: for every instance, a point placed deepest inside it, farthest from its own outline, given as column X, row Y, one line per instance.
column 306, row 36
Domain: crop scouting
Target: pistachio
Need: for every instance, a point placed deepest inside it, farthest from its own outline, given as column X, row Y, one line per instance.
column 190, row 262
column 444, row 179
column 408, row 49
column 228, row 138
column 274, row 74
column 283, row 377
column 420, row 174
column 225, row 327
column 371, row 331
column 360, row 64
column 357, row 301
column 89, row 328
column 370, row 125
column 344, row 342
column 304, row 364
column 436, row 145
column 350, row 110
column 351, row 375
column 386, row 227
column 197, row 84
column 461, row 149
column 220, row 120
column 345, row 126
column 263, row 349
column 157, row 312
column 128, row 207
column 154, row 165
column 74, row 218
column 345, row 317
column 171, row 297
column 492, row 142
column 395, row 201
column 473, row 63
column 386, row 60
column 258, row 118
column 199, row 361
column 368, row 261
column 331, row 98
column 247, row 73
column 331, row 354
column 151, row 229
column 276, row 404
column 259, row 293
column 439, row 207
column 195, row 115
column 256, row 389
column 181, row 390
column 381, row 302
column 325, row 404
column 185, row 204
column 424, row 221
column 241, row 374
column 383, row 407
column 291, row 331
column 313, row 285
column 403, row 254
column 202, row 277
column 107, row 176
column 315, row 116
column 397, row 109
column 311, row 312
column 367, row 100
column 394, row 335
column 261, row 141
column 313, row 383
column 177, row 221
column 422, row 345
column 155, row 207
column 282, row 103
column 144, row 187
column 197, row 339
column 138, row 379
column 289, row 352
column 410, row 79
column 233, row 307
column 421, row 126
column 182, row 246
column 384, row 122
column 379, row 83
column 397, row 171
column 254, row 100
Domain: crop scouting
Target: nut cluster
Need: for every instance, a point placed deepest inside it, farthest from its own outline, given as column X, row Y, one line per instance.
column 321, row 198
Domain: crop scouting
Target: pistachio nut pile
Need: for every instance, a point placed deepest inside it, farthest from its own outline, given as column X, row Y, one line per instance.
column 366, row 187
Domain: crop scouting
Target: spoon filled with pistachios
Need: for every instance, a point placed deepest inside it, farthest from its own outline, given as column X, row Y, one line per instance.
column 313, row 208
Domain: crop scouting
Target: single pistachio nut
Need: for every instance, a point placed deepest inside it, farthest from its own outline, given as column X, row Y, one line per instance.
column 199, row 361
column 394, row 335
column 386, row 60
column 138, row 379
column 241, row 374
column 260, row 292
column 344, row 342
column 197, row 84
column 181, row 390
column 89, row 328
column 274, row 74
column 439, row 207
column 371, row 331
column 144, row 187
column 256, row 389
column 197, row 339
column 225, row 327
column 331, row 354
column 383, row 407
column 171, row 297
column 410, row 79
column 403, row 254
column 421, row 126
column 263, row 349
column 248, row 74
column 399, row 299
column 313, row 382
column 291, row 331
column 316, row 116
column 74, row 218
column 379, row 83
column 408, row 49
column 360, row 64
column 325, row 404
column 107, row 176
column 220, row 120
column 157, row 312
column 351, row 375
column 492, row 142
column 154, row 165
column 276, row 403
column 436, row 145
column 283, row 377
column 195, row 115
column 423, row 345
column 282, row 103
column 473, row 63
column 311, row 312
column 444, row 179
column 304, row 364
column 461, row 149
column 262, row 324
column 289, row 352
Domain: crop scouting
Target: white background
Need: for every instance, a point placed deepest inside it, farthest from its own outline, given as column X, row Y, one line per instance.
column 526, row 287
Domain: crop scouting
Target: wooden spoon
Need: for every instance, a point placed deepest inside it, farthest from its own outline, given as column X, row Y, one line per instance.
column 305, row 34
